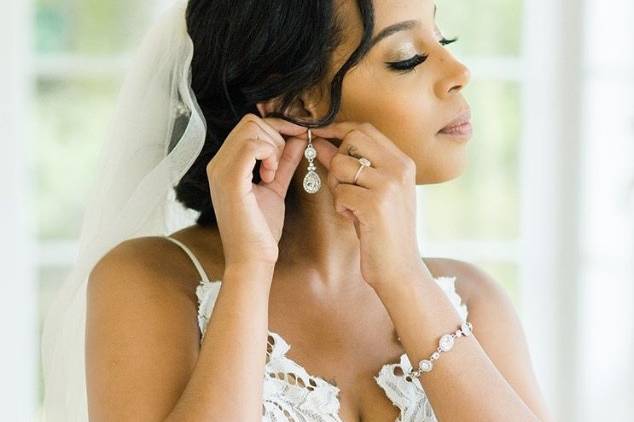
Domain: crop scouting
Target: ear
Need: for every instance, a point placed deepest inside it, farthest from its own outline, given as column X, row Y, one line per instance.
column 306, row 106
column 266, row 107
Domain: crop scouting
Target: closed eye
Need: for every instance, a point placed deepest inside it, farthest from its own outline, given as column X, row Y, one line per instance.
column 408, row 64
column 411, row 63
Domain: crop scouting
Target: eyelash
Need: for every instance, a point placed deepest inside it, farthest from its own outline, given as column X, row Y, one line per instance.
column 409, row 64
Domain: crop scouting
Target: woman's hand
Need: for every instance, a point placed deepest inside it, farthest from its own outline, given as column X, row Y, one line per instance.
column 250, row 217
column 382, row 204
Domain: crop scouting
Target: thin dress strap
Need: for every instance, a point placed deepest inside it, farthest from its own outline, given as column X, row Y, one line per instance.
column 199, row 267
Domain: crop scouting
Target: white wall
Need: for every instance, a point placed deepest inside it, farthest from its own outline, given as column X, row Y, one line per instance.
column 18, row 384
column 606, row 348
column 577, row 161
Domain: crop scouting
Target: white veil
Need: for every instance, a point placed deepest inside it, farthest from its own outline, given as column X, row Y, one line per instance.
column 155, row 134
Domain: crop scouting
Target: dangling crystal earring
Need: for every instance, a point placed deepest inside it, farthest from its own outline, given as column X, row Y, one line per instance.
column 312, row 182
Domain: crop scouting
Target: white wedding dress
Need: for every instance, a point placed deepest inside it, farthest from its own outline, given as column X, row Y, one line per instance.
column 300, row 396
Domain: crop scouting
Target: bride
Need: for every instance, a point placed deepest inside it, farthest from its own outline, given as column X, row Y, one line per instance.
column 249, row 250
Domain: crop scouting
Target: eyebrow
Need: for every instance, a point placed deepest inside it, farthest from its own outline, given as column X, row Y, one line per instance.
column 397, row 27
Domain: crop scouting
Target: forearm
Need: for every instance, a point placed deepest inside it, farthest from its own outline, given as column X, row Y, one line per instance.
column 227, row 380
column 464, row 384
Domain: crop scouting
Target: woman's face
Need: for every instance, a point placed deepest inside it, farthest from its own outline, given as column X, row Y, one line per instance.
column 408, row 106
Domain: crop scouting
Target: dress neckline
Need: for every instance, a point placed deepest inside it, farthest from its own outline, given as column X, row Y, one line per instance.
column 284, row 347
column 289, row 385
column 281, row 346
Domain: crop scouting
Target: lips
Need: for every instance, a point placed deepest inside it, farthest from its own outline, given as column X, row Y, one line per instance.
column 460, row 122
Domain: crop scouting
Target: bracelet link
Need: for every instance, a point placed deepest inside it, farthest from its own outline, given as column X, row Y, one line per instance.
column 445, row 344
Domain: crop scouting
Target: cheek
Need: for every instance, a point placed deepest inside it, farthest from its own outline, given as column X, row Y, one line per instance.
column 401, row 106
column 405, row 111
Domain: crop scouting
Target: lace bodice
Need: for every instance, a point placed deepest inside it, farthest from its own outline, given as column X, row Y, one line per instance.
column 292, row 394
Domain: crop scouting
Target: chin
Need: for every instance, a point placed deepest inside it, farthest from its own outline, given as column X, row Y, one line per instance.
column 443, row 169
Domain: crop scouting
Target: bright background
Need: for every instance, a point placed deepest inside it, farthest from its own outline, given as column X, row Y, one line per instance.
column 546, row 204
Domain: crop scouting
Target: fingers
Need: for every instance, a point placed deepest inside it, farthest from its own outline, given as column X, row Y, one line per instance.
column 271, row 129
column 326, row 150
column 349, row 200
column 291, row 157
column 255, row 138
column 275, row 127
column 281, row 160
column 342, row 167
column 268, row 153
column 289, row 152
column 362, row 137
column 337, row 130
column 356, row 143
column 284, row 127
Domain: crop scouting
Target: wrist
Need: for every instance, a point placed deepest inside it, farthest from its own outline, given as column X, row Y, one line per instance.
column 250, row 269
column 403, row 279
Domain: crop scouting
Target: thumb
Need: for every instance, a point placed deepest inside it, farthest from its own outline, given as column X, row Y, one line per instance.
column 290, row 159
column 326, row 150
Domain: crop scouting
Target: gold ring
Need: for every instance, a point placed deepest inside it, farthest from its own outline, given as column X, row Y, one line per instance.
column 363, row 162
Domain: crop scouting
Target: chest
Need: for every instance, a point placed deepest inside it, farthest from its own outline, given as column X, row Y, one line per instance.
column 336, row 362
column 293, row 391
column 348, row 367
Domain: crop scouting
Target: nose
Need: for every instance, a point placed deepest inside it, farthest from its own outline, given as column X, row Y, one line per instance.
column 454, row 75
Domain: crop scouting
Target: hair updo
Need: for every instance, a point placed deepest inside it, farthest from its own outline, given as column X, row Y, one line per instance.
column 247, row 51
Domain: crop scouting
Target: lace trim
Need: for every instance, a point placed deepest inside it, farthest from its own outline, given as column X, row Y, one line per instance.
column 448, row 284
column 292, row 394
column 290, row 390
column 404, row 391
column 207, row 292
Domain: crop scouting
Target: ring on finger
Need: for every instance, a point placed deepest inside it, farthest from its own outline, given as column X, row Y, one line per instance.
column 363, row 163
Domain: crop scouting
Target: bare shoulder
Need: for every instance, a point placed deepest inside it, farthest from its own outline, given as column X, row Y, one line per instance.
column 150, row 262
column 141, row 327
column 497, row 327
column 471, row 280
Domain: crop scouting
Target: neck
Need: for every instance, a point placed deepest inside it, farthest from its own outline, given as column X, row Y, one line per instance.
column 317, row 242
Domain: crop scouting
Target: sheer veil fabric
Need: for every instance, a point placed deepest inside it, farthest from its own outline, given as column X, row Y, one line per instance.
column 154, row 135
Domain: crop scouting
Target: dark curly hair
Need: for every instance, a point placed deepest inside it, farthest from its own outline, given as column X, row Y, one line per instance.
column 247, row 51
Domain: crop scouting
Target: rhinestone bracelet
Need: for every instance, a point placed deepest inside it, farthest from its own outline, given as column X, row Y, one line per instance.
column 444, row 344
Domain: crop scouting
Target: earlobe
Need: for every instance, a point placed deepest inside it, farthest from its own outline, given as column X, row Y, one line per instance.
column 266, row 107
column 310, row 103
column 260, row 109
